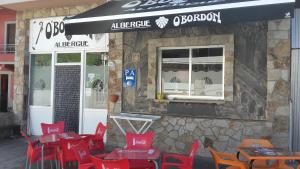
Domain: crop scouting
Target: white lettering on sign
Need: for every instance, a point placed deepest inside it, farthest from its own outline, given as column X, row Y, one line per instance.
column 131, row 25
column 48, row 34
column 138, row 142
column 52, row 130
column 139, row 5
column 209, row 17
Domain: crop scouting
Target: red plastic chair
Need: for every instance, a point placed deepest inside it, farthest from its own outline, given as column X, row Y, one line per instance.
column 65, row 152
column 82, row 155
column 140, row 142
column 34, row 152
column 96, row 140
column 56, row 128
column 186, row 162
column 110, row 164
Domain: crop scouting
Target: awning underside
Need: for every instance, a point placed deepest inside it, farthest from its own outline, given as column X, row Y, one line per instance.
column 133, row 15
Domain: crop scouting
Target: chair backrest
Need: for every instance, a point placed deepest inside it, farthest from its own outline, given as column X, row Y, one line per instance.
column 100, row 130
column 256, row 143
column 30, row 143
column 194, row 150
column 65, row 146
column 110, row 164
column 81, row 152
column 214, row 155
column 56, row 128
column 139, row 141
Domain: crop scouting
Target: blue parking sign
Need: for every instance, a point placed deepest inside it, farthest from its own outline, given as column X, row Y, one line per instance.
column 129, row 77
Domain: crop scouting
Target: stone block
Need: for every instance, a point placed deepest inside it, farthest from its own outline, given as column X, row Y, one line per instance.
column 283, row 25
column 278, row 35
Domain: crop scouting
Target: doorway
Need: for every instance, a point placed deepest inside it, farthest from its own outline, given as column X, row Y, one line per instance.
column 4, row 92
column 67, row 90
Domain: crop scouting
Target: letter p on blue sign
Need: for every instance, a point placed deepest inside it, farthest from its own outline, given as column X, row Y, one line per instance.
column 129, row 77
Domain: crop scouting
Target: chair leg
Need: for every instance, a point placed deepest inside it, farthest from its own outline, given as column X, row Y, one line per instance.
column 26, row 163
column 56, row 166
column 51, row 164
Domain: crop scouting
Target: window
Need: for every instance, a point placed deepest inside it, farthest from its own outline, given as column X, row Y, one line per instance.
column 68, row 57
column 40, row 80
column 10, row 37
column 96, row 81
column 192, row 73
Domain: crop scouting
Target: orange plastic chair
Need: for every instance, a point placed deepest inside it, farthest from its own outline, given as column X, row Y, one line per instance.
column 226, row 159
column 263, row 163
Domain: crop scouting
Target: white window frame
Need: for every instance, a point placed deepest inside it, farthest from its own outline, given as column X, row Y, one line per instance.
column 5, row 32
column 189, row 96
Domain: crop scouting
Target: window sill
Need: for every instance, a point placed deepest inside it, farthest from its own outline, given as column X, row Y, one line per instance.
column 190, row 101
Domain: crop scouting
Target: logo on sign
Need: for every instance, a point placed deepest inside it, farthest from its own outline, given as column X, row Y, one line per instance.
column 138, row 142
column 129, row 77
column 209, row 17
column 162, row 22
column 52, row 130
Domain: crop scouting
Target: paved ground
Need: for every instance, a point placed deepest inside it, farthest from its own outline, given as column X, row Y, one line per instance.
column 12, row 155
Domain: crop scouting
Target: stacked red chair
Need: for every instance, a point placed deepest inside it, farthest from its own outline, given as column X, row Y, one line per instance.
column 140, row 142
column 83, row 156
column 96, row 140
column 185, row 161
column 110, row 164
column 65, row 152
column 34, row 152
column 56, row 128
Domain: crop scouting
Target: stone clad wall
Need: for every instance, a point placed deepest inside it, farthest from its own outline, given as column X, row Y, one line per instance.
column 22, row 52
column 259, row 109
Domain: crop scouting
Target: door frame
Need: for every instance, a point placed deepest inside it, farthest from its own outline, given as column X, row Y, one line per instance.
column 82, row 59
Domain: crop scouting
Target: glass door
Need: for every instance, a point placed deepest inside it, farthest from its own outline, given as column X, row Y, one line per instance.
column 95, row 91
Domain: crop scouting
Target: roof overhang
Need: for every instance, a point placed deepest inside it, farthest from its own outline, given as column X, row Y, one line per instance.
column 132, row 15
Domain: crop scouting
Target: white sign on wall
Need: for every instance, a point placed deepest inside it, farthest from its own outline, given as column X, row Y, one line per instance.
column 48, row 34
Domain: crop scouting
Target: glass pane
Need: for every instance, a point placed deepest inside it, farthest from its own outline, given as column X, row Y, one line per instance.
column 40, row 80
column 96, row 81
column 68, row 57
column 207, row 72
column 175, row 71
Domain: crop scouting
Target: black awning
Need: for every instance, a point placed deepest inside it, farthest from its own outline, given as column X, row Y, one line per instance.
column 133, row 15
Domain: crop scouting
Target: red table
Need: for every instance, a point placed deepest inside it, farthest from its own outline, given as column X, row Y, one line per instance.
column 54, row 138
column 151, row 154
